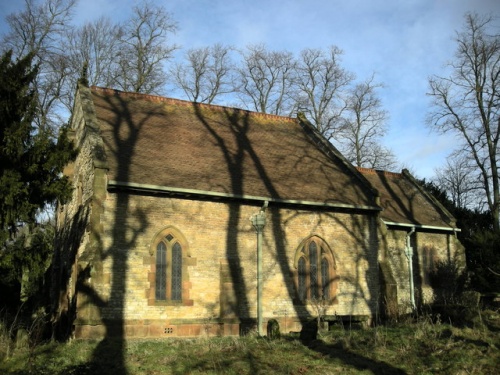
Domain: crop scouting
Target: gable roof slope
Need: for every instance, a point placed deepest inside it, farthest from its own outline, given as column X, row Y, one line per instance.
column 404, row 202
column 179, row 145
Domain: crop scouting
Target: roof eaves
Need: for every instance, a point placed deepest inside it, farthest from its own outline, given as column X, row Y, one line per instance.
column 131, row 186
column 421, row 226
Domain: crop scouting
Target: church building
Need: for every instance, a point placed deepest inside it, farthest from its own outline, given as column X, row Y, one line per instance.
column 190, row 219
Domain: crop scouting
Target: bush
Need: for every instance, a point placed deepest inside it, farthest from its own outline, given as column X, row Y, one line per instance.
column 483, row 261
column 452, row 301
column 448, row 281
column 273, row 329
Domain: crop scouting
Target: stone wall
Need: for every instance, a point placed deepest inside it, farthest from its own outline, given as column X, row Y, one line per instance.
column 71, row 223
column 429, row 247
column 221, row 266
column 78, row 243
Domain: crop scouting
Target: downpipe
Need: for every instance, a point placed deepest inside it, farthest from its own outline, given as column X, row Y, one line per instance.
column 409, row 256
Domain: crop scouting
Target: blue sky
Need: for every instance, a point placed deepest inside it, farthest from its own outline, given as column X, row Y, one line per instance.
column 402, row 41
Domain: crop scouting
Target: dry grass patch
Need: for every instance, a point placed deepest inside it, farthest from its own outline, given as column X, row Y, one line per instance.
column 421, row 347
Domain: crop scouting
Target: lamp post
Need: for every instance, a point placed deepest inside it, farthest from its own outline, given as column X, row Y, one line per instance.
column 259, row 221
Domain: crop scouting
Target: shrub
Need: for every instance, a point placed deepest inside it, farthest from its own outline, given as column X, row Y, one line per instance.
column 483, row 261
column 273, row 329
column 448, row 281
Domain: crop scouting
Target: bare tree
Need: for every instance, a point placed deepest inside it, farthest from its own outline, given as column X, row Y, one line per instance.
column 96, row 44
column 459, row 178
column 207, row 73
column 321, row 82
column 144, row 49
column 265, row 80
column 40, row 29
column 363, row 126
column 467, row 103
column 131, row 57
column 91, row 49
column 37, row 28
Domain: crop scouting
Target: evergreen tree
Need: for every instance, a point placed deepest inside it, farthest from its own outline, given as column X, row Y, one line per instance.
column 481, row 241
column 32, row 161
column 31, row 164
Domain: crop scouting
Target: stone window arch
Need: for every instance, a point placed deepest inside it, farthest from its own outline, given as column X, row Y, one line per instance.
column 315, row 271
column 169, row 261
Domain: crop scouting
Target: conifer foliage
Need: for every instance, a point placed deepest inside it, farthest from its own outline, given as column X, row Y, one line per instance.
column 32, row 160
column 31, row 164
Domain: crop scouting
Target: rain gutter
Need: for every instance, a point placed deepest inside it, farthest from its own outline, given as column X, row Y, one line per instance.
column 418, row 226
column 166, row 189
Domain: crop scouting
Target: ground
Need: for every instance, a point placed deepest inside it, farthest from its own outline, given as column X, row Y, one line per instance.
column 423, row 345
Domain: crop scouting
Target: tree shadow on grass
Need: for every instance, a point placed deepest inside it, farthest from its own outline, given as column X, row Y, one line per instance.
column 348, row 357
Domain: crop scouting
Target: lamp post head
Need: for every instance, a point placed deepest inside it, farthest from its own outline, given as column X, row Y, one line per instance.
column 259, row 221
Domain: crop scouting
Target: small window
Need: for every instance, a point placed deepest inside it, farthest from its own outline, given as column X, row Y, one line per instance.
column 170, row 261
column 315, row 270
column 168, row 278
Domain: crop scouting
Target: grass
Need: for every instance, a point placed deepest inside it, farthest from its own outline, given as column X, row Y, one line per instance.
column 418, row 347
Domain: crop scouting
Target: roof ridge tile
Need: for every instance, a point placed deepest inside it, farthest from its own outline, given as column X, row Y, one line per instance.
column 379, row 171
column 174, row 101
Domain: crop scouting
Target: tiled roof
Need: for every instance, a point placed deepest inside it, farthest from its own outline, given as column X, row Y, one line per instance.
column 403, row 201
column 179, row 144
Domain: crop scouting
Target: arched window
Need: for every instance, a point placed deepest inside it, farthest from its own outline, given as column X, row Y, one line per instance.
column 169, row 282
column 168, row 278
column 316, row 270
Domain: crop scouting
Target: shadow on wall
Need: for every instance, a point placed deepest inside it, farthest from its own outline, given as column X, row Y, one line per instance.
column 92, row 305
column 359, row 282
column 67, row 242
column 124, row 234
column 234, row 159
